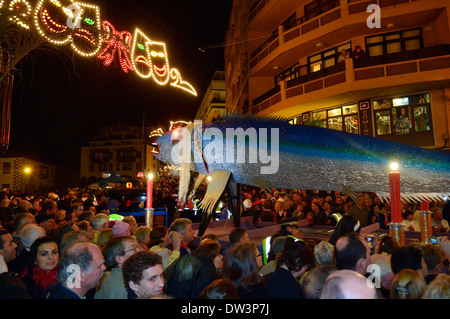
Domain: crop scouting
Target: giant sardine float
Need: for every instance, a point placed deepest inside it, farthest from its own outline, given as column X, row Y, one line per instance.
column 269, row 153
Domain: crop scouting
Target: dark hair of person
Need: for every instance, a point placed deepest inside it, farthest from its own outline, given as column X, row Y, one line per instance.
column 406, row 257
column 236, row 235
column 207, row 250
column 346, row 225
column 157, row 234
column 135, row 265
column 388, row 245
column 37, row 243
column 296, row 254
column 220, row 289
column 348, row 256
column 240, row 267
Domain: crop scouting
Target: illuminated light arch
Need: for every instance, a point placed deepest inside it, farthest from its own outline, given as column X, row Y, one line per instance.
column 156, row 133
column 138, row 53
column 87, row 40
column 159, row 62
column 179, row 83
column 21, row 12
column 119, row 42
column 177, row 124
column 52, row 30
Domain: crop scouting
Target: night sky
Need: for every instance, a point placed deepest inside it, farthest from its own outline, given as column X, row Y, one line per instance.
column 60, row 99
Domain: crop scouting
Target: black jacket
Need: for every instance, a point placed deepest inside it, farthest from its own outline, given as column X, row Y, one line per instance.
column 282, row 285
column 12, row 287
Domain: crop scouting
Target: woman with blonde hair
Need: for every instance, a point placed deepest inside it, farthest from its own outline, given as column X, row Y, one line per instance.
column 439, row 288
column 408, row 284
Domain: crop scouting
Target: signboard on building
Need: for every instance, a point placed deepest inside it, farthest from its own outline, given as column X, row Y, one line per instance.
column 365, row 118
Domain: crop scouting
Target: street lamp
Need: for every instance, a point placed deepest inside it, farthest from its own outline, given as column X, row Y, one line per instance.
column 27, row 171
column 149, row 208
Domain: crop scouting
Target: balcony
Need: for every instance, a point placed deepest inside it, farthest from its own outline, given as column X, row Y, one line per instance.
column 336, row 26
column 357, row 80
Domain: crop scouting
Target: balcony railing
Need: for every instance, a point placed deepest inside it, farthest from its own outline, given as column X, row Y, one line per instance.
column 410, row 62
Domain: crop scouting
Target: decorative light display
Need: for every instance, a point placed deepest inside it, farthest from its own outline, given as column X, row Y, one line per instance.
column 63, row 22
column 179, row 83
column 156, row 133
column 140, row 54
column 20, row 12
column 87, row 39
column 176, row 124
column 119, row 42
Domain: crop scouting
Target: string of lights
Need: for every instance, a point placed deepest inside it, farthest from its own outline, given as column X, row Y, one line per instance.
column 80, row 25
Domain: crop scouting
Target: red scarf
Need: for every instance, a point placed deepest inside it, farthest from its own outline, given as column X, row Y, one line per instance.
column 44, row 278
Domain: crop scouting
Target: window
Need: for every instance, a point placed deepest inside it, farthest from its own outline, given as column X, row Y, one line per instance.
column 290, row 73
column 402, row 115
column 327, row 58
column 343, row 118
column 394, row 42
column 6, row 167
column 318, row 7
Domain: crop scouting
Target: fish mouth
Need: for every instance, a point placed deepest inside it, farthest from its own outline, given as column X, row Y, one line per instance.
column 156, row 149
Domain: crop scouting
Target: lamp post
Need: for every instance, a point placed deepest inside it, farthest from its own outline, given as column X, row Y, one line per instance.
column 149, row 207
column 27, row 171
column 395, row 227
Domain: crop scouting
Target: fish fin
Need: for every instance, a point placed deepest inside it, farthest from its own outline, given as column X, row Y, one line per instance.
column 259, row 117
column 351, row 193
column 216, row 187
column 415, row 197
column 262, row 183
column 198, row 180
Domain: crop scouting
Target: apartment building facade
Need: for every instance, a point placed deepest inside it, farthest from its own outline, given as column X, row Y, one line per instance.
column 213, row 102
column 283, row 58
column 24, row 175
column 120, row 149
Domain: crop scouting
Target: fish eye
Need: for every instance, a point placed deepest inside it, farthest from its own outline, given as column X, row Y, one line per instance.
column 176, row 135
column 140, row 46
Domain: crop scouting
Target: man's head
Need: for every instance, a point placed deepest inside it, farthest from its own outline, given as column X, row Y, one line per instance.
column 238, row 235
column 143, row 274
column 408, row 257
column 348, row 284
column 49, row 207
column 100, row 221
column 21, row 220
column 352, row 252
column 118, row 249
column 315, row 279
column 7, row 246
column 81, row 267
column 184, row 227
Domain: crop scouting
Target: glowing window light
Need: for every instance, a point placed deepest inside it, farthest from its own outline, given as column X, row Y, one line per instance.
column 116, row 42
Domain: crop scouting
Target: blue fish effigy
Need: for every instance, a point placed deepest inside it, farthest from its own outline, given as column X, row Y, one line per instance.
column 271, row 153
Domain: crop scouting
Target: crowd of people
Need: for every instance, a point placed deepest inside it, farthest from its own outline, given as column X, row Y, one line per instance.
column 69, row 247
